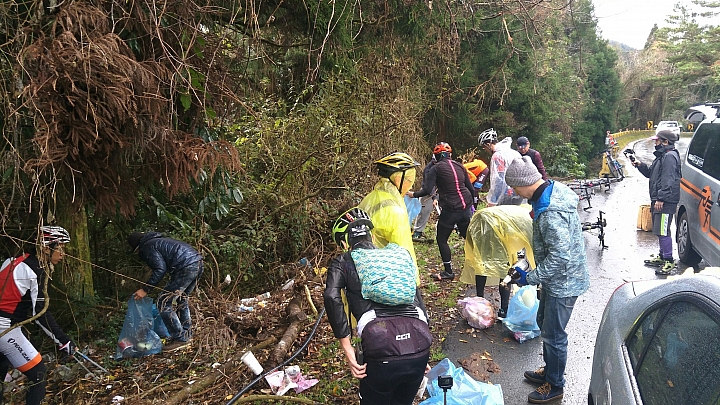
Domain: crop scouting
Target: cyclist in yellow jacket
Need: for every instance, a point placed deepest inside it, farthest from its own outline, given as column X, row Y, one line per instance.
column 385, row 203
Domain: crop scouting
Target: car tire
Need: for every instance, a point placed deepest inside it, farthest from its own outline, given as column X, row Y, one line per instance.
column 687, row 254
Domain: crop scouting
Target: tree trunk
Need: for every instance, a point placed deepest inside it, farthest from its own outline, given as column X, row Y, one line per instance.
column 76, row 276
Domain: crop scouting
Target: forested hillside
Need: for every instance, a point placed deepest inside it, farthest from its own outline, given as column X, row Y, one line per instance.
column 243, row 128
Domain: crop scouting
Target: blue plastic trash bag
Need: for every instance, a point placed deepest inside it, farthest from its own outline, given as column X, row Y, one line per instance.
column 465, row 390
column 158, row 324
column 413, row 207
column 521, row 316
column 137, row 337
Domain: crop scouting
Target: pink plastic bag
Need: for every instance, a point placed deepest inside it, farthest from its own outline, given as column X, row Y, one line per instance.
column 477, row 311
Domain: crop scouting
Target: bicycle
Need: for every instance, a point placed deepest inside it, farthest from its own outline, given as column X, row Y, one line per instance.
column 601, row 223
column 585, row 188
column 611, row 168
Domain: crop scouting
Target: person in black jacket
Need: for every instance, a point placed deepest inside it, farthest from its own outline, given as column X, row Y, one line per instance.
column 22, row 296
column 394, row 378
column 184, row 265
column 523, row 146
column 456, row 194
column 664, row 174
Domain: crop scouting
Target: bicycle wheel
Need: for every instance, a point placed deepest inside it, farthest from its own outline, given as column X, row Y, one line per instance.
column 613, row 165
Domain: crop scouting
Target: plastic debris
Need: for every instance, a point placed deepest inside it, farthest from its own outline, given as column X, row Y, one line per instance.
column 282, row 381
column 288, row 284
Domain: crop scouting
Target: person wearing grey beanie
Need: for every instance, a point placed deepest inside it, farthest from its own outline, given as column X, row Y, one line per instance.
column 561, row 267
column 522, row 172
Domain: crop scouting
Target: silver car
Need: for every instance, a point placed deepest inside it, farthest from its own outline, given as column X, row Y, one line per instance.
column 698, row 215
column 659, row 344
column 672, row 126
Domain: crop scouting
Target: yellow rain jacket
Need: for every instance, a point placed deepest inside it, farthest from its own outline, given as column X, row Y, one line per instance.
column 494, row 237
column 389, row 216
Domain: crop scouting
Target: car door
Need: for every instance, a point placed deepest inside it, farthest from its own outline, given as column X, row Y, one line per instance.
column 674, row 351
column 701, row 180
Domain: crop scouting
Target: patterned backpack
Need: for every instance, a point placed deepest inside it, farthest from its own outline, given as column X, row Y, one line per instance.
column 387, row 275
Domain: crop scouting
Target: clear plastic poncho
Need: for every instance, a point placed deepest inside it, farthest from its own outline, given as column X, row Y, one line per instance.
column 504, row 154
column 494, row 237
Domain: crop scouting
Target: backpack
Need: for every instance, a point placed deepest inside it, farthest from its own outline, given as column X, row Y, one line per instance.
column 387, row 275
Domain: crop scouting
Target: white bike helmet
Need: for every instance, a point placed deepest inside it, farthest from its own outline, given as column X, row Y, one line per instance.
column 487, row 136
column 52, row 235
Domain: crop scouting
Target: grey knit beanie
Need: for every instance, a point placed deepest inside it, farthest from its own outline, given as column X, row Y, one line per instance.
column 522, row 172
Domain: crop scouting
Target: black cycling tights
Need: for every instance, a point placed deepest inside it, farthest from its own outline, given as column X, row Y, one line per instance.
column 446, row 224
column 504, row 291
column 36, row 381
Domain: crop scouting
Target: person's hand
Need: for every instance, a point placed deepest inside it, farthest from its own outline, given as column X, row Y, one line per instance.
column 68, row 348
column 658, row 206
column 357, row 370
column 411, row 194
column 636, row 163
column 140, row 294
column 427, row 368
column 522, row 280
column 489, row 204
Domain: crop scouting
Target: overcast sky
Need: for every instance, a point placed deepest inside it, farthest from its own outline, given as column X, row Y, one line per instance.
column 630, row 21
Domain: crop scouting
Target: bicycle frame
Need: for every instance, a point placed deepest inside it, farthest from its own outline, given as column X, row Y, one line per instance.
column 601, row 223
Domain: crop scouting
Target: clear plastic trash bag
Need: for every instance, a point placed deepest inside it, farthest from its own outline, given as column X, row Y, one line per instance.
column 137, row 337
column 465, row 389
column 522, row 314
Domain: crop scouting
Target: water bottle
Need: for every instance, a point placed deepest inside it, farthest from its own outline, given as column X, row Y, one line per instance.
column 521, row 263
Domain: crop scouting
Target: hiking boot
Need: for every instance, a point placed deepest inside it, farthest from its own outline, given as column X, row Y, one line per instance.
column 667, row 267
column 174, row 345
column 537, row 376
column 418, row 236
column 545, row 393
column 655, row 260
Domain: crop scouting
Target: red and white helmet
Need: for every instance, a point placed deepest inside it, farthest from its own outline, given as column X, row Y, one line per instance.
column 54, row 235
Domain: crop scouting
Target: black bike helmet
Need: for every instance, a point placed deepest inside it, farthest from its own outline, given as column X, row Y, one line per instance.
column 352, row 223
column 395, row 162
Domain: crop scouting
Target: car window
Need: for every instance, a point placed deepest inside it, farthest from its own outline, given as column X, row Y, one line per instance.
column 712, row 156
column 698, row 145
column 675, row 353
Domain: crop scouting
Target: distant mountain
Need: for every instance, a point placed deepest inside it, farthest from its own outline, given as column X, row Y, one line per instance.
column 620, row 46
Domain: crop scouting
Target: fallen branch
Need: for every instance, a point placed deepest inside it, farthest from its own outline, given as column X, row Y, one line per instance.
column 295, row 315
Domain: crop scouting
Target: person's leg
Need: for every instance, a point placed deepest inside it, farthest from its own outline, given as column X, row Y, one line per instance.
column 37, row 377
column 25, row 358
column 409, row 375
column 183, row 307
column 463, row 222
column 422, row 218
column 4, row 368
column 174, row 293
column 557, row 315
column 443, row 233
column 480, row 285
column 504, row 299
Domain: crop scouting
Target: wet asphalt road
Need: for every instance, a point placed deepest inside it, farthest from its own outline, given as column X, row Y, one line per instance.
column 621, row 262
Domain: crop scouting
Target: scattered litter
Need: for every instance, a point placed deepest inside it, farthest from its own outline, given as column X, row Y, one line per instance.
column 227, row 280
column 117, row 399
column 216, row 365
column 288, row 285
column 281, row 382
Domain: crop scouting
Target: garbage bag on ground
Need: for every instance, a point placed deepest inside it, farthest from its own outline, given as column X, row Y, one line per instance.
column 494, row 237
column 137, row 337
column 413, row 206
column 477, row 311
column 522, row 314
column 465, row 390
